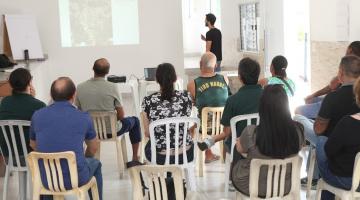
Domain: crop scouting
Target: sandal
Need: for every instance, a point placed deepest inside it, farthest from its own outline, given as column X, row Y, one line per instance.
column 214, row 158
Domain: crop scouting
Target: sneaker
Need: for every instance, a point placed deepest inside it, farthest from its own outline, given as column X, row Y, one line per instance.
column 202, row 146
column 313, row 183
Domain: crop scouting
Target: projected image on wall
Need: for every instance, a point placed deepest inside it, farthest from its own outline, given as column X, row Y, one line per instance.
column 99, row 22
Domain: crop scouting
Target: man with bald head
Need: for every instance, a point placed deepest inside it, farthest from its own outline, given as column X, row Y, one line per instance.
column 61, row 127
column 209, row 90
column 98, row 94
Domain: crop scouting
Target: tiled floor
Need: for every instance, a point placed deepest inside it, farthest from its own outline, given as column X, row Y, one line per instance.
column 210, row 187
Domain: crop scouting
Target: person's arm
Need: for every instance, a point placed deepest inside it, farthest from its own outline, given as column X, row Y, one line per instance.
column 208, row 46
column 208, row 39
column 203, row 38
column 92, row 147
column 226, row 79
column 191, row 89
column 325, row 115
column 263, row 82
column 333, row 85
column 120, row 112
column 146, row 123
column 244, row 142
column 33, row 144
column 32, row 134
column 225, row 133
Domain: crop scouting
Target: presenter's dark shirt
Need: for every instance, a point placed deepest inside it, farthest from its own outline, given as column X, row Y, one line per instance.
column 18, row 106
column 214, row 35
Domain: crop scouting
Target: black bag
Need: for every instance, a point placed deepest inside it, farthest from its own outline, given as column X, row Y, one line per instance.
column 5, row 61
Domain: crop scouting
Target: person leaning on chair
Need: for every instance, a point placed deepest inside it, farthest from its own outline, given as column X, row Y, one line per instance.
column 61, row 127
column 21, row 105
column 209, row 90
column 97, row 94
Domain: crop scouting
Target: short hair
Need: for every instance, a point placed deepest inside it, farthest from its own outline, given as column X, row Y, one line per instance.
column 62, row 89
column 280, row 64
column 208, row 60
column 355, row 48
column 249, row 71
column 101, row 67
column 357, row 91
column 211, row 18
column 20, row 79
column 351, row 66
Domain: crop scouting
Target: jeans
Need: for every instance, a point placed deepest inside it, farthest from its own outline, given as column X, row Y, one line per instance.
column 310, row 110
column 131, row 125
column 95, row 170
column 311, row 137
column 326, row 174
column 218, row 66
column 160, row 158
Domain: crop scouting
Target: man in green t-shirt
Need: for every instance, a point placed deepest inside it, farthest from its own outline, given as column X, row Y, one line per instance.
column 209, row 90
column 21, row 105
column 245, row 101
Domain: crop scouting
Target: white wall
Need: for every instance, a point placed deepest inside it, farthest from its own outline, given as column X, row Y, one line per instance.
column 160, row 41
column 334, row 20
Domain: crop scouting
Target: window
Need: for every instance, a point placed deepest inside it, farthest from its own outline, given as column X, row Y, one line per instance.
column 249, row 27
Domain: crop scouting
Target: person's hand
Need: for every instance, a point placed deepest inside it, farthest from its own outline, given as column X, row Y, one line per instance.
column 309, row 99
column 203, row 37
column 238, row 145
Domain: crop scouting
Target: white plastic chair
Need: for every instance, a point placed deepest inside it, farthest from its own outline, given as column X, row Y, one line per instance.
column 310, row 173
column 275, row 183
column 8, row 129
column 55, row 177
column 154, row 178
column 343, row 194
column 216, row 129
column 189, row 167
column 102, row 120
column 229, row 158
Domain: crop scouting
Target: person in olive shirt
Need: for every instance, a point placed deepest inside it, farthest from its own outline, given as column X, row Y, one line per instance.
column 213, row 40
column 21, row 105
column 209, row 90
column 245, row 101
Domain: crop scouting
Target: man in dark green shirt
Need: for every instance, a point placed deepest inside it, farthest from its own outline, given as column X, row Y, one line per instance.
column 20, row 105
column 245, row 101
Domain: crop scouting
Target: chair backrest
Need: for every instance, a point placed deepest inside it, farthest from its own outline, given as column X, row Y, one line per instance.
column 174, row 122
column 276, row 176
column 216, row 114
column 356, row 174
column 104, row 124
column 248, row 118
column 131, row 87
column 9, row 128
column 154, row 178
column 53, row 170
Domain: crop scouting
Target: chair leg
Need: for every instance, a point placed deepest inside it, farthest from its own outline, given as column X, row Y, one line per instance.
column 222, row 152
column 22, row 185
column 201, row 163
column 227, row 174
column 81, row 195
column 6, row 180
column 190, row 178
column 319, row 189
column 95, row 191
column 310, row 173
column 120, row 159
column 124, row 149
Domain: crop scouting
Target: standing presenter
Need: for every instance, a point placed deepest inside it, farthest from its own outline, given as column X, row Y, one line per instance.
column 213, row 40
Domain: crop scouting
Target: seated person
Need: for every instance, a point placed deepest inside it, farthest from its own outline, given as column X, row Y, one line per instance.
column 97, row 94
column 166, row 104
column 335, row 105
column 313, row 101
column 276, row 137
column 336, row 154
column 21, row 105
column 61, row 127
column 245, row 101
column 278, row 76
column 209, row 90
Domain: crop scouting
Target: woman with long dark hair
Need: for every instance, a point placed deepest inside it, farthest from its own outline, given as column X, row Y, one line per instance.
column 276, row 137
column 166, row 103
column 278, row 68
